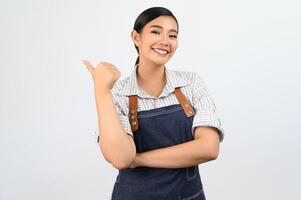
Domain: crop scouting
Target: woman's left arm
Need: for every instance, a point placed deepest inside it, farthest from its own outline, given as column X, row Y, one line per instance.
column 204, row 148
column 207, row 130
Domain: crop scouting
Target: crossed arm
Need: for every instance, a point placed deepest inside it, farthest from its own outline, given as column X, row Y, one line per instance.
column 121, row 152
column 204, row 148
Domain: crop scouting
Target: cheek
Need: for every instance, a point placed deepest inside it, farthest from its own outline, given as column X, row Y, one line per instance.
column 146, row 47
column 175, row 45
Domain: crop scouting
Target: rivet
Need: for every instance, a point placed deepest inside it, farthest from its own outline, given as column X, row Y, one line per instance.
column 186, row 105
column 133, row 111
column 134, row 123
column 133, row 116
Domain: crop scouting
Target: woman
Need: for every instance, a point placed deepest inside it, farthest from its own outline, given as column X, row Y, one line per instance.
column 169, row 117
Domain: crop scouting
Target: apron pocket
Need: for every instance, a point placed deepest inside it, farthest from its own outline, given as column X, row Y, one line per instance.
column 197, row 195
column 192, row 187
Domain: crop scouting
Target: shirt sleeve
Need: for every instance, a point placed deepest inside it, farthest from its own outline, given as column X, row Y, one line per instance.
column 122, row 110
column 206, row 112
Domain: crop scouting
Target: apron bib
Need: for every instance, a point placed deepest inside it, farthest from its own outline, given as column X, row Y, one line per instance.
column 155, row 129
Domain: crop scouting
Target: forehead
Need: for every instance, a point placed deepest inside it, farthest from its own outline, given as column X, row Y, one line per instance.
column 166, row 22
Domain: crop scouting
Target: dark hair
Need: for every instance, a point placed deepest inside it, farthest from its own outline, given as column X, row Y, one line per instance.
column 149, row 15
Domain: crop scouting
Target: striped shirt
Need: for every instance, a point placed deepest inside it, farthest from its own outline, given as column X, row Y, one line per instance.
column 192, row 86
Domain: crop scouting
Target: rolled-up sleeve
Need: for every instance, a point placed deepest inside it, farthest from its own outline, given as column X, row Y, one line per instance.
column 122, row 111
column 206, row 111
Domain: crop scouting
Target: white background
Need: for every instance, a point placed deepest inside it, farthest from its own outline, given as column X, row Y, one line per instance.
column 248, row 52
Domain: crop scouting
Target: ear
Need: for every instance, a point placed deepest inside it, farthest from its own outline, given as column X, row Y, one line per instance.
column 135, row 37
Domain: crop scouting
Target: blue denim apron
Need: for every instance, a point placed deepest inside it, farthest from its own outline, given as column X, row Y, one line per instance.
column 159, row 128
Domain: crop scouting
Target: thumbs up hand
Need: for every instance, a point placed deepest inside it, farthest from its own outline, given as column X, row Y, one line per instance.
column 104, row 75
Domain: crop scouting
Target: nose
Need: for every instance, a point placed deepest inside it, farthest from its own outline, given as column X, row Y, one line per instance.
column 164, row 40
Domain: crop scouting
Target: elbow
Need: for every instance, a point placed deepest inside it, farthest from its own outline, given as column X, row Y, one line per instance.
column 210, row 153
column 213, row 153
column 213, row 150
column 213, row 156
column 122, row 161
column 120, row 157
column 122, row 164
column 119, row 161
column 208, row 156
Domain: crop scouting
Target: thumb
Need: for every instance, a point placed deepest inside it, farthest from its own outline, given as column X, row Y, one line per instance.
column 88, row 65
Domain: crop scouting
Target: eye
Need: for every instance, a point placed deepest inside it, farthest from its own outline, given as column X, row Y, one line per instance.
column 174, row 36
column 156, row 32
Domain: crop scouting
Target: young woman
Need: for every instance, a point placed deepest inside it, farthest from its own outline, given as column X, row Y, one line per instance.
column 156, row 125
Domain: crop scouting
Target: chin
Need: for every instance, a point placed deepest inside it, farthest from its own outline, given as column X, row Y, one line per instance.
column 160, row 61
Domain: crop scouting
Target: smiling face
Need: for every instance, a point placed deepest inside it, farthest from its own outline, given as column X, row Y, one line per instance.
column 157, row 41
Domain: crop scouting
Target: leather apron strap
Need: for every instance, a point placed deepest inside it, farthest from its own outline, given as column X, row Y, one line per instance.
column 133, row 107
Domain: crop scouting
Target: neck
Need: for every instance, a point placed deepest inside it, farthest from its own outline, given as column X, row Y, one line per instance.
column 150, row 74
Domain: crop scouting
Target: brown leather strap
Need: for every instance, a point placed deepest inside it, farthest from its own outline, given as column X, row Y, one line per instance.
column 133, row 102
column 133, row 107
column 184, row 103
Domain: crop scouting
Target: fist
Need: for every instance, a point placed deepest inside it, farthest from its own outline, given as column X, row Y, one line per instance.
column 104, row 75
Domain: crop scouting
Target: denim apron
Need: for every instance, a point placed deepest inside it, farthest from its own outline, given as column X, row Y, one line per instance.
column 155, row 129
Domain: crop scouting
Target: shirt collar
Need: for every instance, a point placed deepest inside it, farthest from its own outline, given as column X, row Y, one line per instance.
column 173, row 81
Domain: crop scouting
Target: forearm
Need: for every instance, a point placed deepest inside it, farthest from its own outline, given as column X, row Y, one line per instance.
column 117, row 146
column 178, row 156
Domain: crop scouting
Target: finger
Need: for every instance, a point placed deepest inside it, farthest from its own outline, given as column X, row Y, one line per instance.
column 88, row 65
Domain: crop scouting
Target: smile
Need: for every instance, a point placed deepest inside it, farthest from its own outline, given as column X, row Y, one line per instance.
column 160, row 52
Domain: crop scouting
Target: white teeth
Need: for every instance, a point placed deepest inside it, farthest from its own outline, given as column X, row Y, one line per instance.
column 160, row 51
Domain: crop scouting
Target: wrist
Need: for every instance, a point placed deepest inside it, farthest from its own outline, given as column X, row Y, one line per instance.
column 101, row 90
column 138, row 159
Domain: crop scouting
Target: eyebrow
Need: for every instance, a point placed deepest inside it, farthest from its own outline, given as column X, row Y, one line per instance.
column 158, row 26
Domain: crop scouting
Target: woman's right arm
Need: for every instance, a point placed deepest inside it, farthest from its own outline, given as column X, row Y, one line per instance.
column 116, row 145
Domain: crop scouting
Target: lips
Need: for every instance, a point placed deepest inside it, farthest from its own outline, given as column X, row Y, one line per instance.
column 161, row 51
